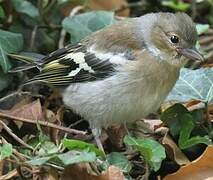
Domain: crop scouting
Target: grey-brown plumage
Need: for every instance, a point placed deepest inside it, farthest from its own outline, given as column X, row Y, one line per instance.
column 123, row 72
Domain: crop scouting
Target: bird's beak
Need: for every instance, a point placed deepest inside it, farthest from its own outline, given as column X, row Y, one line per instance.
column 190, row 53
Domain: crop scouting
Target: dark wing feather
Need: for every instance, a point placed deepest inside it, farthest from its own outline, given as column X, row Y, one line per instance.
column 63, row 67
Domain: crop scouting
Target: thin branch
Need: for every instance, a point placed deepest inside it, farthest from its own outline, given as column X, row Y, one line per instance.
column 33, row 36
column 9, row 175
column 9, row 131
column 63, row 31
column 42, row 123
column 6, row 98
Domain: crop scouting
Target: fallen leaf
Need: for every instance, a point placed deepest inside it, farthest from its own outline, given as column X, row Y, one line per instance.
column 110, row 5
column 200, row 169
column 112, row 173
column 81, row 171
column 153, row 123
column 52, row 174
column 193, row 84
column 173, row 151
column 116, row 134
column 27, row 110
column 57, row 118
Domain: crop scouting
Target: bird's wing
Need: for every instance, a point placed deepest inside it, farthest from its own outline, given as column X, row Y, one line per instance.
column 73, row 63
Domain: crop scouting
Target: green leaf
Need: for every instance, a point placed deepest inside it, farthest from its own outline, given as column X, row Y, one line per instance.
column 152, row 151
column 74, row 157
column 194, row 84
column 176, row 5
column 172, row 116
column 70, row 157
column 47, row 147
column 37, row 161
column 187, row 125
column 5, row 151
column 202, row 28
column 2, row 14
column 84, row 24
column 120, row 161
column 26, row 7
column 72, row 144
column 181, row 122
column 9, row 43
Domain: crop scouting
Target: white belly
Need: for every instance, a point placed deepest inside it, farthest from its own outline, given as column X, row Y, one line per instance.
column 116, row 99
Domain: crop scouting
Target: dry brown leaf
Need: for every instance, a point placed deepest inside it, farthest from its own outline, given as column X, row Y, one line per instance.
column 81, row 171
column 26, row 110
column 200, row 169
column 174, row 151
column 116, row 134
column 109, row 5
column 52, row 174
column 57, row 118
column 112, row 173
column 153, row 123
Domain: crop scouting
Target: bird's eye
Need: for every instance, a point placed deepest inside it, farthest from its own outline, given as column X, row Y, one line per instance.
column 174, row 39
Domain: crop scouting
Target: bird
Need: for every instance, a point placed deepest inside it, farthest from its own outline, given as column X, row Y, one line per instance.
column 123, row 72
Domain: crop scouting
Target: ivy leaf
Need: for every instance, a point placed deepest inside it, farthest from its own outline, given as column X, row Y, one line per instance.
column 120, row 161
column 48, row 147
column 202, row 28
column 84, row 24
column 5, row 151
column 181, row 123
column 26, row 7
column 74, row 157
column 37, row 161
column 9, row 43
column 72, row 144
column 171, row 117
column 151, row 150
column 187, row 125
column 70, row 157
column 194, row 84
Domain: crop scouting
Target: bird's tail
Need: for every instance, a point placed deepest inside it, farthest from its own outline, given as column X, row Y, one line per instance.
column 31, row 60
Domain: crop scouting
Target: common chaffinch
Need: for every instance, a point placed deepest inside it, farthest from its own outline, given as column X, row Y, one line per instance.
column 123, row 72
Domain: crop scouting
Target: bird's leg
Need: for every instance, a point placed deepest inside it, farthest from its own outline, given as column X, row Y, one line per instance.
column 96, row 133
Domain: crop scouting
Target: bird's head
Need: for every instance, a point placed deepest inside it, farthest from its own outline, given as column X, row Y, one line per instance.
column 171, row 37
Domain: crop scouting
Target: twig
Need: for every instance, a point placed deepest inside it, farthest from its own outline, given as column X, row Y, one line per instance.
column 63, row 31
column 9, row 131
column 9, row 175
column 43, row 11
column 33, row 35
column 5, row 98
column 76, row 123
column 62, row 39
column 42, row 123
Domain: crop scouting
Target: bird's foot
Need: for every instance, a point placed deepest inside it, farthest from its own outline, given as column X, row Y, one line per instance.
column 96, row 133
